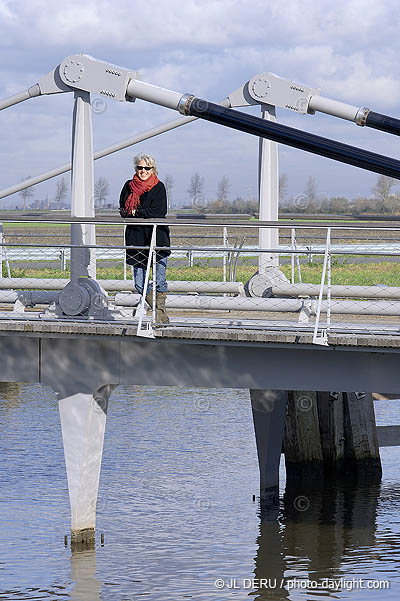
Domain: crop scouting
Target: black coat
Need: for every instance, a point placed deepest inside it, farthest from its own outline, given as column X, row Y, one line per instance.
column 153, row 205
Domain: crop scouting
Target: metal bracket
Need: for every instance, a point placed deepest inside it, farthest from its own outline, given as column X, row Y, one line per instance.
column 84, row 72
column 268, row 88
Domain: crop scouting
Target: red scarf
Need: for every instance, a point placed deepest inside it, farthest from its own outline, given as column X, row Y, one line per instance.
column 138, row 187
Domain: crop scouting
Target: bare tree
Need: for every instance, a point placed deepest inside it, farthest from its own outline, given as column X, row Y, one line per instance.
column 169, row 184
column 195, row 190
column 223, row 189
column 310, row 192
column 196, row 185
column 61, row 192
column 101, row 191
column 283, row 186
column 383, row 192
column 27, row 193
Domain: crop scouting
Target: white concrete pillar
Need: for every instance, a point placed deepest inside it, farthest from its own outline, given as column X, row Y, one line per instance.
column 83, row 260
column 83, row 422
column 269, row 411
column 268, row 185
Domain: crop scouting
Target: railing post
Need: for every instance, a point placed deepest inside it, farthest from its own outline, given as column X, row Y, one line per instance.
column 225, row 238
column 292, row 256
column 323, row 338
column 141, row 311
column 124, row 255
column 1, row 250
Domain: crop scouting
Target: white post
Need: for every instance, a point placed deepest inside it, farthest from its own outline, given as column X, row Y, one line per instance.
column 1, row 250
column 225, row 237
column 124, row 255
column 83, row 422
column 268, row 183
column 83, row 260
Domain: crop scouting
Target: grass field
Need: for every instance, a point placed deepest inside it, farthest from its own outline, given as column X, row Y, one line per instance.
column 349, row 275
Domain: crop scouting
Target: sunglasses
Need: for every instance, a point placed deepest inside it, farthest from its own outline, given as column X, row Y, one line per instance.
column 139, row 168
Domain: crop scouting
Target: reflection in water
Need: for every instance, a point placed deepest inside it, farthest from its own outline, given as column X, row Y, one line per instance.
column 319, row 531
column 10, row 391
column 178, row 474
column 83, row 572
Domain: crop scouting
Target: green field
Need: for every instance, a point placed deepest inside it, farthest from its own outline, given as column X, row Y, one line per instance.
column 348, row 275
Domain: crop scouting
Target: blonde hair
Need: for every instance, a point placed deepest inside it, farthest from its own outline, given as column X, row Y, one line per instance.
column 147, row 158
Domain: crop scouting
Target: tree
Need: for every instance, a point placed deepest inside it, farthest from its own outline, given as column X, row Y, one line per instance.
column 223, row 189
column 101, row 191
column 384, row 186
column 169, row 184
column 383, row 192
column 338, row 204
column 310, row 193
column 283, row 186
column 195, row 190
column 27, row 192
column 61, row 192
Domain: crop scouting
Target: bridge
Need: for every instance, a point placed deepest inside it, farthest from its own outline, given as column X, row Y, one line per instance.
column 271, row 307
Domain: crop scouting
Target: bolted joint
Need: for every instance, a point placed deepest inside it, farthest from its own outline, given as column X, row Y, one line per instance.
column 361, row 117
column 185, row 104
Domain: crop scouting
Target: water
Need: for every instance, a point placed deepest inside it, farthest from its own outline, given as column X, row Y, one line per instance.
column 175, row 505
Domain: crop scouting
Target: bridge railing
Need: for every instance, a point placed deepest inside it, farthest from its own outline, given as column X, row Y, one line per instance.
column 320, row 278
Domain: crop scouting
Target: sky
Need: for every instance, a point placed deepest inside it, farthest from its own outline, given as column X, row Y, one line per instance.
column 348, row 49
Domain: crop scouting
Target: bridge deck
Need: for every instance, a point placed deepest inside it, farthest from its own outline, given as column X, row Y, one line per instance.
column 361, row 331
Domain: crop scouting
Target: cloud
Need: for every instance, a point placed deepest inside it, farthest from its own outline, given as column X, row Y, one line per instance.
column 349, row 49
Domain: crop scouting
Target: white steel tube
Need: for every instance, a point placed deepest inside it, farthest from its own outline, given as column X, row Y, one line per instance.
column 388, row 292
column 333, row 107
column 20, row 97
column 29, row 297
column 292, row 305
column 154, row 94
column 115, row 285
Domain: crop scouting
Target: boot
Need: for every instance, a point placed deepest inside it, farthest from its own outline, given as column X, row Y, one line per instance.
column 149, row 299
column 161, row 314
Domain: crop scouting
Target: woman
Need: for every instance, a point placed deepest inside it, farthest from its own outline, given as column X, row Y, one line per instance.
column 144, row 197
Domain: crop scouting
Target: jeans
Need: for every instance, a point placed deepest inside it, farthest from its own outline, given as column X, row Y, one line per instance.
column 139, row 275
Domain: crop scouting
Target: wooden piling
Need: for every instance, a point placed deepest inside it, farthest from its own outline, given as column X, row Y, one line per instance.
column 302, row 444
column 361, row 451
column 331, row 428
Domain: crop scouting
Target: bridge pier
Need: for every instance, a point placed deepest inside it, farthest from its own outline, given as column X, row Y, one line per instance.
column 302, row 443
column 83, row 422
column 269, row 410
column 330, row 434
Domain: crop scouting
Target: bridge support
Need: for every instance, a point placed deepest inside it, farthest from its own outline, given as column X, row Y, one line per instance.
column 330, row 434
column 83, row 422
column 269, row 410
column 302, row 444
column 362, row 458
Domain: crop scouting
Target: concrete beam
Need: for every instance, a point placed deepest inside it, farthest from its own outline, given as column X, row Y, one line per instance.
column 83, row 363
